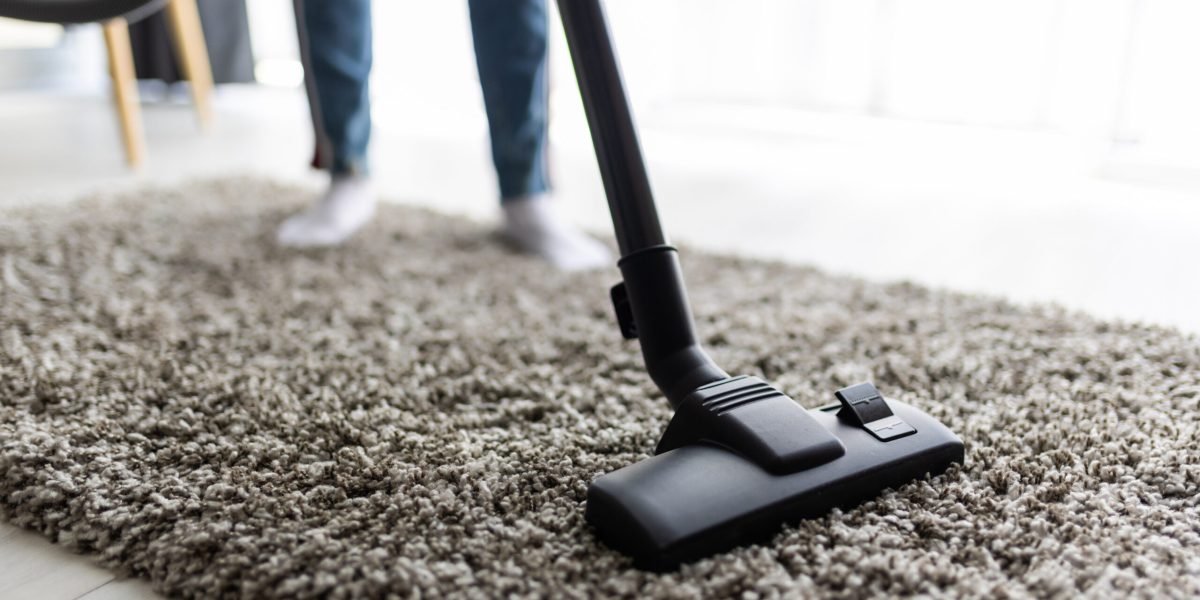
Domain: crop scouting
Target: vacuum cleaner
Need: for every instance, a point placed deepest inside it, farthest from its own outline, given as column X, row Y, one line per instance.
column 739, row 457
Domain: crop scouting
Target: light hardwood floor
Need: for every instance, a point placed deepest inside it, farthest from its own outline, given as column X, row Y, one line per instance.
column 33, row 568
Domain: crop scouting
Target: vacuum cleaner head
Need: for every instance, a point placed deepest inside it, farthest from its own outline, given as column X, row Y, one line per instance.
column 697, row 499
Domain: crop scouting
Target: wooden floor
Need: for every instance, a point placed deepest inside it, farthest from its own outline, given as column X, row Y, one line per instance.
column 1029, row 216
column 33, row 568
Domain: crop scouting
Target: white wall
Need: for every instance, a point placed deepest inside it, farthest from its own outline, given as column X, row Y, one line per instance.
column 1096, row 69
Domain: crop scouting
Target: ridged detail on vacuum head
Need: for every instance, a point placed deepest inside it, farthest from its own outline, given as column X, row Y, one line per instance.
column 752, row 391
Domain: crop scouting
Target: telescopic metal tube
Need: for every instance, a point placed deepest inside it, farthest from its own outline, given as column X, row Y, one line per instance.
column 626, row 184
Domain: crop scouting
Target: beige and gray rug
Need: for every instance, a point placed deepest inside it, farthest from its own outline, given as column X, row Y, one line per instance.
column 420, row 412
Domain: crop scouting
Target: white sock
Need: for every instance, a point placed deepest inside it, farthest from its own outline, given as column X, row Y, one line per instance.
column 347, row 205
column 533, row 224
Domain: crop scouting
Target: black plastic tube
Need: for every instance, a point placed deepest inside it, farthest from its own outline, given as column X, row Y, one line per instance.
column 626, row 184
column 659, row 302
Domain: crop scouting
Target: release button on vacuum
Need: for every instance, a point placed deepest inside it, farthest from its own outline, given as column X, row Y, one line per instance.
column 864, row 406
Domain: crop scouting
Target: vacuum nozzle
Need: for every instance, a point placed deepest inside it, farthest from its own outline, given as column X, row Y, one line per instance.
column 701, row 498
column 740, row 457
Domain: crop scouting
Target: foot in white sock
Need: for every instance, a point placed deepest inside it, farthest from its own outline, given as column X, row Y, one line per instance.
column 533, row 224
column 347, row 205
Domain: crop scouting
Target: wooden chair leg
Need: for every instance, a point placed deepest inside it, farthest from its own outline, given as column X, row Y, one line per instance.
column 125, row 93
column 192, row 53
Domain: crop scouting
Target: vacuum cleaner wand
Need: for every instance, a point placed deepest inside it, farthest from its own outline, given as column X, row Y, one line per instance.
column 617, row 150
column 739, row 457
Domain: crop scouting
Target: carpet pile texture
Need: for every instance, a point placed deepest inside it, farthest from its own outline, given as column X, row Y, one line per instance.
column 419, row 414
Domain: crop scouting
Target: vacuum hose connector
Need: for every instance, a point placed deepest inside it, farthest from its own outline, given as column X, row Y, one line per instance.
column 744, row 414
column 652, row 305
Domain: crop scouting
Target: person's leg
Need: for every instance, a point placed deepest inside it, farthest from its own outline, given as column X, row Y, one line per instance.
column 335, row 42
column 510, row 52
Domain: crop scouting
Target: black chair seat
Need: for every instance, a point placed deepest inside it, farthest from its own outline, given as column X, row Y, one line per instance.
column 77, row 11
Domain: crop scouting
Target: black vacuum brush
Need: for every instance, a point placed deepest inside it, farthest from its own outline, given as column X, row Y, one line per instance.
column 739, row 458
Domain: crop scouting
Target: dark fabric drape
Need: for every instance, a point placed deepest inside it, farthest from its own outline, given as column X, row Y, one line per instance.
column 226, row 31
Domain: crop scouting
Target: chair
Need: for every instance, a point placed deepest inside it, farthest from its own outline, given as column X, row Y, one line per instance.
column 115, row 16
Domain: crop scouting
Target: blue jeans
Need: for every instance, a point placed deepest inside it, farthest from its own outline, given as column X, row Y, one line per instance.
column 510, row 53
